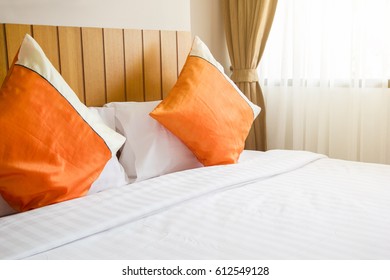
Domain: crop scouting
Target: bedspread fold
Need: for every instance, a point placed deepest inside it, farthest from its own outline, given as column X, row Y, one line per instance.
column 27, row 234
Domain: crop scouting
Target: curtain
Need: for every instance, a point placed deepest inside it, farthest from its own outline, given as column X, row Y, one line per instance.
column 328, row 44
column 325, row 75
column 343, row 123
column 247, row 25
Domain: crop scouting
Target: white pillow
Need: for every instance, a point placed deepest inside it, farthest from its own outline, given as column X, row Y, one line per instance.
column 150, row 150
column 106, row 114
column 113, row 174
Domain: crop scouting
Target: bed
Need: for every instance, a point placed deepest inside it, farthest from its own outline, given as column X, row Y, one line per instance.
column 164, row 197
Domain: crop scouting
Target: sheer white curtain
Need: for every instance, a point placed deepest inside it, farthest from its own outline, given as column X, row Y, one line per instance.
column 325, row 76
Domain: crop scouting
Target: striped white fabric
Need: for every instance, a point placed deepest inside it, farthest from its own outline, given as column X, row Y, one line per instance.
column 276, row 205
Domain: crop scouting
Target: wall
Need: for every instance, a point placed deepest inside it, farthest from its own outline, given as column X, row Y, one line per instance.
column 145, row 14
column 207, row 23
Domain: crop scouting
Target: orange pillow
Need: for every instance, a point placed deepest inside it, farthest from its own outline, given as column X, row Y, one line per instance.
column 52, row 148
column 206, row 110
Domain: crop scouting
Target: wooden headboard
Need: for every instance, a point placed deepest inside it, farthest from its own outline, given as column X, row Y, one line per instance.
column 103, row 64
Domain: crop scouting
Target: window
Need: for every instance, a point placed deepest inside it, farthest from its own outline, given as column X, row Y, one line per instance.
column 328, row 43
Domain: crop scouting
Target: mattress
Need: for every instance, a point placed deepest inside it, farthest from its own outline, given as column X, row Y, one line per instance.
column 271, row 205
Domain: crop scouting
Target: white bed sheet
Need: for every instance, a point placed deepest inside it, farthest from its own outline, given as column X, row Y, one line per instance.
column 273, row 205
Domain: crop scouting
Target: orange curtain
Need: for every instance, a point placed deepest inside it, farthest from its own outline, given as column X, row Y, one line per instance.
column 247, row 25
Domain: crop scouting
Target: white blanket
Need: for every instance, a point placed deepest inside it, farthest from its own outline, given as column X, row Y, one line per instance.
column 276, row 205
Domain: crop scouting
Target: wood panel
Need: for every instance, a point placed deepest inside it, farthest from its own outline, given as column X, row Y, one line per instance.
column 115, row 65
column 134, row 67
column 184, row 42
column 94, row 76
column 152, row 65
column 47, row 38
column 3, row 54
column 168, row 61
column 71, row 58
column 17, row 33
column 104, row 65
